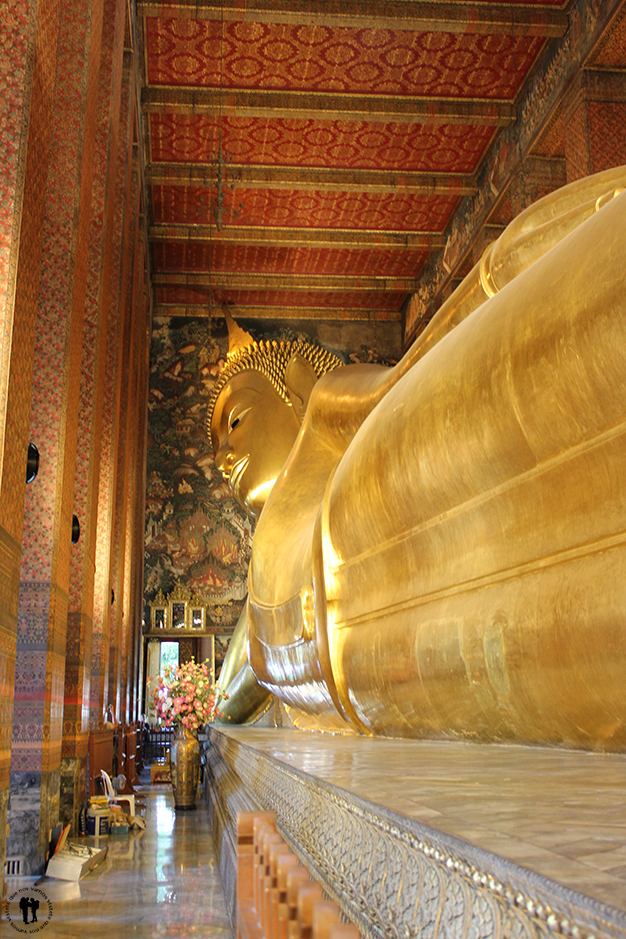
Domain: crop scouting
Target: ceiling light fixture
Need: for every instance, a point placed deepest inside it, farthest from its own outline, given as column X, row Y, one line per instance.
column 214, row 204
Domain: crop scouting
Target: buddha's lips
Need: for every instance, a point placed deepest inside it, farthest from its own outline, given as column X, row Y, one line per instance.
column 237, row 472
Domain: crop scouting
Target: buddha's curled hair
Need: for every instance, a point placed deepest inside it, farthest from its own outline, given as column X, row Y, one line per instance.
column 270, row 358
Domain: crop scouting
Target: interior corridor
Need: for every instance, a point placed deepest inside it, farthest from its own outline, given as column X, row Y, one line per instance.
column 160, row 882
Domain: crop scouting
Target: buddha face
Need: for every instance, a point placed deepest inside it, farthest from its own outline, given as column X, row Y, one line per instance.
column 252, row 431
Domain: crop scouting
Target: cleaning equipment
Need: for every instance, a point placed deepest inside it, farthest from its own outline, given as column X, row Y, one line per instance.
column 97, row 818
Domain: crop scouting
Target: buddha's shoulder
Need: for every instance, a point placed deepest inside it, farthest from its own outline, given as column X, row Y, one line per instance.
column 341, row 400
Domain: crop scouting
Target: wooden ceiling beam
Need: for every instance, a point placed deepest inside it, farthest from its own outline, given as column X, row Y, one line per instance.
column 298, row 237
column 428, row 16
column 319, row 179
column 327, row 106
column 253, row 281
column 283, row 313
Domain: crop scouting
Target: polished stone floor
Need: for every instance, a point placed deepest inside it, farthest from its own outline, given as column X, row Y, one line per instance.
column 160, row 882
column 559, row 813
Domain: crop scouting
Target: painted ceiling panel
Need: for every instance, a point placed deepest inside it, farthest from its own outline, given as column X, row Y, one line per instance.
column 198, row 256
column 318, row 299
column 316, row 122
column 302, row 209
column 299, row 142
column 339, row 59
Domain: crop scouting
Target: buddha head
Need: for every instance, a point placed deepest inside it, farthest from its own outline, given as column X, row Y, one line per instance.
column 256, row 409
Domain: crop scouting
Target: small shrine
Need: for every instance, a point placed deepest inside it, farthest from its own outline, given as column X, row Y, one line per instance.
column 177, row 613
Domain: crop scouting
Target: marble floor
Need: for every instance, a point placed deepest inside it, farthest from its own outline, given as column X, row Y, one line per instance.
column 161, row 882
column 559, row 813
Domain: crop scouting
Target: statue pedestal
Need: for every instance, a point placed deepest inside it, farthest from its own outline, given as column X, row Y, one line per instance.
column 437, row 838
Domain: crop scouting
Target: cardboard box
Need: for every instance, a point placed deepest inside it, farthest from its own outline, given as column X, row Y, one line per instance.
column 74, row 861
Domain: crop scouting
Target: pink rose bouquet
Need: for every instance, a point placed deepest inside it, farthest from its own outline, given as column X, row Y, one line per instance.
column 185, row 695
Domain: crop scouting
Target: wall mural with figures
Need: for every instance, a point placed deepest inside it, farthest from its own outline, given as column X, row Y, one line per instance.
column 196, row 533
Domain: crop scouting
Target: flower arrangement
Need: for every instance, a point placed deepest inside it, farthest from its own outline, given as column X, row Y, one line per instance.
column 185, row 695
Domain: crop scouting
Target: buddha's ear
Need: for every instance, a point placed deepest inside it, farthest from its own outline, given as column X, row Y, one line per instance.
column 299, row 378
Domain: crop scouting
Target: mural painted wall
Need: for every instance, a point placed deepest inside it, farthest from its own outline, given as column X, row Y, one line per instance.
column 195, row 530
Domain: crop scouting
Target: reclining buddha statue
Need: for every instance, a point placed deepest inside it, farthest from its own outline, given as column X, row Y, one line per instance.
column 440, row 548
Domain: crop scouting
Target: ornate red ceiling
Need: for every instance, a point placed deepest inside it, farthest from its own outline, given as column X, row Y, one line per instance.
column 315, row 299
column 319, row 58
column 447, row 148
column 202, row 257
column 307, row 208
column 349, row 131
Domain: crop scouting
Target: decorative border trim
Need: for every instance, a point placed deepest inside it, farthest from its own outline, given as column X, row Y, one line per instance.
column 397, row 878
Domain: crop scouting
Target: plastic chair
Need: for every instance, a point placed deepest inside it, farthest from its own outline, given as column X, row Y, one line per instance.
column 112, row 796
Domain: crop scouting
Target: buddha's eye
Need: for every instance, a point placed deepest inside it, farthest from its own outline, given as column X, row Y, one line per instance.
column 235, row 420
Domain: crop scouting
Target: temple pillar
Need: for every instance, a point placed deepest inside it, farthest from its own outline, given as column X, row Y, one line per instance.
column 131, row 450
column 138, row 477
column 30, row 50
column 54, row 407
column 206, row 649
column 106, row 591
column 594, row 116
column 83, row 560
column 123, row 409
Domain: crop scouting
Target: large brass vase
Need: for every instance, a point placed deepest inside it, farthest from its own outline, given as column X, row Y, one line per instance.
column 185, row 767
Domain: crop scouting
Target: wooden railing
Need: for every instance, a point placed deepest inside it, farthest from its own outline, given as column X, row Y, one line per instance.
column 276, row 896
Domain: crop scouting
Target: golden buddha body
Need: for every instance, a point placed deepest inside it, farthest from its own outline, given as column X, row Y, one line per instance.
column 441, row 549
